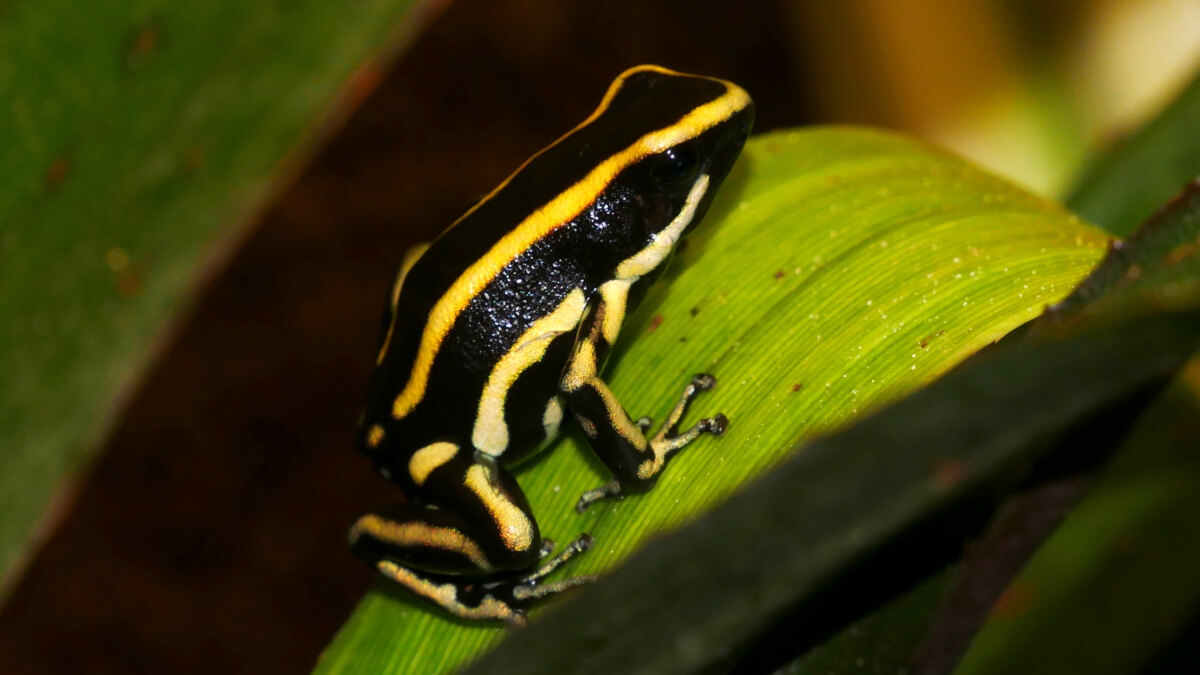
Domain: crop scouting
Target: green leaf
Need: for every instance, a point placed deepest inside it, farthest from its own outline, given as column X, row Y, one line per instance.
column 136, row 136
column 1119, row 576
column 1127, row 184
column 840, row 269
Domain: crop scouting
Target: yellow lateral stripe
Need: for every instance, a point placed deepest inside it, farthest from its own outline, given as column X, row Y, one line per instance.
column 615, row 293
column 491, row 432
column 511, row 522
column 652, row 256
column 411, row 256
column 600, row 109
column 542, row 222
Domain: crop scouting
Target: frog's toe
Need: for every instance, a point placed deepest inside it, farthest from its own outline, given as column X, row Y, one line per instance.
column 518, row 595
column 610, row 489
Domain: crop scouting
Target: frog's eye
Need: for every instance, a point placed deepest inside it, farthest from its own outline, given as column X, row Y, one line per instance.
column 679, row 165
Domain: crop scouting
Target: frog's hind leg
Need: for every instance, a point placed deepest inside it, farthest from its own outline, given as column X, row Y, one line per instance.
column 506, row 600
column 473, row 548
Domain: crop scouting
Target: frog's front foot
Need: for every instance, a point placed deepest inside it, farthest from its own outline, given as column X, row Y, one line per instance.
column 611, row 489
column 651, row 456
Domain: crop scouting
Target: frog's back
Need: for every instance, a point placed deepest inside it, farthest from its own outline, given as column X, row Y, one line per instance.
column 501, row 292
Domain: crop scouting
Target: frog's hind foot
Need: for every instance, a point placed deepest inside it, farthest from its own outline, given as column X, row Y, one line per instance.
column 523, row 592
column 580, row 545
column 503, row 600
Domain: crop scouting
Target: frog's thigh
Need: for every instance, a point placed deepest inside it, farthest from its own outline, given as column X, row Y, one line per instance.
column 475, row 521
column 410, row 545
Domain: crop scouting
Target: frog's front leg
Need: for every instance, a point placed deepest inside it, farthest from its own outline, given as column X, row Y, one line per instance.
column 472, row 547
column 621, row 443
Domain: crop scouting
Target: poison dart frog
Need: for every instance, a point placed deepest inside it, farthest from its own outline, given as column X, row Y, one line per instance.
column 504, row 322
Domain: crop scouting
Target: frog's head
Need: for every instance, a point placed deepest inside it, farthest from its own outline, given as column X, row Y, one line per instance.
column 684, row 134
column 687, row 161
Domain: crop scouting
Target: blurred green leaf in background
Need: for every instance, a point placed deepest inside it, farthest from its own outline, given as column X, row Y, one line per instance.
column 139, row 138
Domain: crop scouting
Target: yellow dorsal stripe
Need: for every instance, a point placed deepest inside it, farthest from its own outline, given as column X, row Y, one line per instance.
column 600, row 109
column 411, row 256
column 558, row 211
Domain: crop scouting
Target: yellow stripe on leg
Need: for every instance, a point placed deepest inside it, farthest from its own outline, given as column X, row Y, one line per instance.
column 446, row 595
column 512, row 523
column 412, row 534
column 428, row 458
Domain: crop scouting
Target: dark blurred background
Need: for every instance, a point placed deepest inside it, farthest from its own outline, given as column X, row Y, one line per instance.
column 210, row 534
